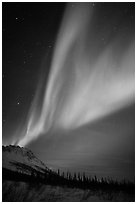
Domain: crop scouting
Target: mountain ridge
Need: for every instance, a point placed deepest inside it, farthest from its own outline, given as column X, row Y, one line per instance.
column 16, row 158
column 21, row 167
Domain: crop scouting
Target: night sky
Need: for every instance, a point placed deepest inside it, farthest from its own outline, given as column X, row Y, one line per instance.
column 68, row 84
column 29, row 33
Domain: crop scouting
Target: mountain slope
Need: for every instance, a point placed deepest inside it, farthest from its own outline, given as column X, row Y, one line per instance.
column 22, row 160
column 26, row 178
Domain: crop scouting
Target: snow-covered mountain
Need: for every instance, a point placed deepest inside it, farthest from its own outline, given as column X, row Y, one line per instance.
column 26, row 178
column 22, row 160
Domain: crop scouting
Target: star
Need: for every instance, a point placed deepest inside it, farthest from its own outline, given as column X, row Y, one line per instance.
column 19, row 19
column 18, row 103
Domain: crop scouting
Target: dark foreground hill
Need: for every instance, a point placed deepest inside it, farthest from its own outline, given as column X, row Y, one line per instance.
column 26, row 178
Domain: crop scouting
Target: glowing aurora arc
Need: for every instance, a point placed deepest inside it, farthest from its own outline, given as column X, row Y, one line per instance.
column 81, row 90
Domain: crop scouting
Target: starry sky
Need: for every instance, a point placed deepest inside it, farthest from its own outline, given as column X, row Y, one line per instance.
column 29, row 32
column 96, row 135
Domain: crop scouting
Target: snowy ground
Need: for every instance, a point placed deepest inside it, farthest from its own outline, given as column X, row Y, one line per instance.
column 21, row 191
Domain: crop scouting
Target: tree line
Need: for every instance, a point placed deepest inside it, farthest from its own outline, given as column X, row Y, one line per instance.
column 75, row 180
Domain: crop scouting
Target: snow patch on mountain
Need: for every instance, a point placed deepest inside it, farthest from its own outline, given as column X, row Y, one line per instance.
column 20, row 159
